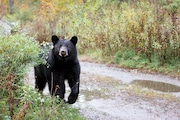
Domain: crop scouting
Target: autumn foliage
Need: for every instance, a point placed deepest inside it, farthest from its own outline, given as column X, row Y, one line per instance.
column 149, row 27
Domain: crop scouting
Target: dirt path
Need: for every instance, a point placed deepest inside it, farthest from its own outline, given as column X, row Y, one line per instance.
column 108, row 93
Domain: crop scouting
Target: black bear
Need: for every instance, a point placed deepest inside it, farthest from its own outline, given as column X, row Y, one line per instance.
column 61, row 64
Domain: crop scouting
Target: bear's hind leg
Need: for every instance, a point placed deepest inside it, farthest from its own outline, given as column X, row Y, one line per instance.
column 40, row 81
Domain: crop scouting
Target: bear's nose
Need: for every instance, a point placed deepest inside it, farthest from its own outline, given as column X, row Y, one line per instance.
column 63, row 53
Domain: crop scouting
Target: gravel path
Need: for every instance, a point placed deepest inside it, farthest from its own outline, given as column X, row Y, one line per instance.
column 107, row 93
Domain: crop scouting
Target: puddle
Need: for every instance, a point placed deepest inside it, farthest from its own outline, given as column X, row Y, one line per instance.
column 158, row 86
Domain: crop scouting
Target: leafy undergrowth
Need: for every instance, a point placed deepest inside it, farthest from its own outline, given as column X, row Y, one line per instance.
column 44, row 107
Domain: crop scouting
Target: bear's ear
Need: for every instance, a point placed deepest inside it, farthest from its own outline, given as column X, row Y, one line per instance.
column 74, row 40
column 54, row 39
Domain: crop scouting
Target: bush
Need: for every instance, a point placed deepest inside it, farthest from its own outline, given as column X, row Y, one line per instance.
column 16, row 51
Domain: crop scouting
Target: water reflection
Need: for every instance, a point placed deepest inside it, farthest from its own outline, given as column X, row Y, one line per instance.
column 159, row 86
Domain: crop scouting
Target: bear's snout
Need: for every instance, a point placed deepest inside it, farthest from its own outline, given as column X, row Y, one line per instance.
column 63, row 52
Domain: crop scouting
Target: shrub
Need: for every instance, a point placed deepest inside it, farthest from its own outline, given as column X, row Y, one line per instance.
column 16, row 51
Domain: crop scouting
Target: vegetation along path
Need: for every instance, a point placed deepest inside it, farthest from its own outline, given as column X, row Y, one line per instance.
column 117, row 94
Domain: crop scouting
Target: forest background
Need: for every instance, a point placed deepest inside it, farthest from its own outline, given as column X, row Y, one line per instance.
column 131, row 33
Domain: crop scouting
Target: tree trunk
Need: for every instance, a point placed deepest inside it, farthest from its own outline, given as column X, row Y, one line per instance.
column 11, row 6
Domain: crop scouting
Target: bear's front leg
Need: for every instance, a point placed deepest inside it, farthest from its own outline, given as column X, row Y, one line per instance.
column 59, row 88
column 74, row 92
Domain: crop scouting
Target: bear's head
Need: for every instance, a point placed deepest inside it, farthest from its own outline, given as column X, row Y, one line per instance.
column 64, row 49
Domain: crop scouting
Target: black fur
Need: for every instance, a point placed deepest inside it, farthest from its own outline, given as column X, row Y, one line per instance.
column 62, row 64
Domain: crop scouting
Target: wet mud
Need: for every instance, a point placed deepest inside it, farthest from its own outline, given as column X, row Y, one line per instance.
column 108, row 93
